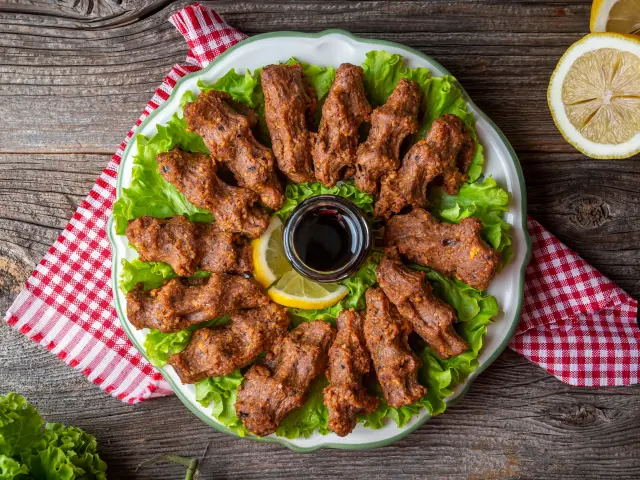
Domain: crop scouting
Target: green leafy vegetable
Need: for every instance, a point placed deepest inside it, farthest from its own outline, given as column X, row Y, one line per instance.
column 484, row 200
column 149, row 193
column 242, row 88
column 20, row 424
column 152, row 274
column 297, row 193
column 312, row 416
column 29, row 451
column 383, row 71
column 160, row 346
column 222, row 391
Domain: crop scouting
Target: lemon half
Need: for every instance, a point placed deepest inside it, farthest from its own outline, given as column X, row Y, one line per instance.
column 622, row 16
column 286, row 286
column 594, row 95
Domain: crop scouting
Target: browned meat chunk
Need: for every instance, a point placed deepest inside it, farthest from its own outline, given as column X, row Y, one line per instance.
column 445, row 153
column 234, row 208
column 280, row 381
column 215, row 352
column 349, row 361
column 287, row 100
column 186, row 245
column 453, row 250
column 180, row 302
column 165, row 240
column 226, row 130
column 223, row 252
column 391, row 123
column 387, row 337
column 346, row 107
column 431, row 318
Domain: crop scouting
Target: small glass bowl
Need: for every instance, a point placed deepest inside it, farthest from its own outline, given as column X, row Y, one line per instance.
column 358, row 227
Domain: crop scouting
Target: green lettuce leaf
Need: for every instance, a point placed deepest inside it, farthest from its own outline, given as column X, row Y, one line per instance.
column 297, row 193
column 475, row 311
column 160, row 346
column 64, row 453
column 53, row 453
column 11, row 468
column 20, row 424
column 312, row 416
column 382, row 72
column 152, row 274
column 242, row 88
column 222, row 391
column 149, row 193
column 484, row 200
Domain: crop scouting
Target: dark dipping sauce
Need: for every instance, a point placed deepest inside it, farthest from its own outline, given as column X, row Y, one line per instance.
column 326, row 238
column 323, row 240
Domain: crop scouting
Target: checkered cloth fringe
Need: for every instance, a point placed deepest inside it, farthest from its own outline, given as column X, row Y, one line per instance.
column 576, row 324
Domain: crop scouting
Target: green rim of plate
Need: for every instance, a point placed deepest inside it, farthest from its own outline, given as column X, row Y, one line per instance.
column 468, row 382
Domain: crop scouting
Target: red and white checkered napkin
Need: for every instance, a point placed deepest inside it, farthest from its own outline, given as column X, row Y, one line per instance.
column 576, row 324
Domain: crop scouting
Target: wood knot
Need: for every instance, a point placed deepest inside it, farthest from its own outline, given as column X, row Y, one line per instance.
column 581, row 415
column 590, row 212
column 13, row 274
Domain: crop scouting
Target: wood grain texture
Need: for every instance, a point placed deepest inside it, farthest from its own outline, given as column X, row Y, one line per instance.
column 74, row 75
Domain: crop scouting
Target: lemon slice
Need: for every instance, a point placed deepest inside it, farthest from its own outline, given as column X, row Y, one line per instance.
column 269, row 260
column 622, row 16
column 272, row 269
column 594, row 95
column 294, row 290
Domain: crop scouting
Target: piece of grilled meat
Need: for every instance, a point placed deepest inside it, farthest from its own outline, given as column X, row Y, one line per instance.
column 446, row 152
column 391, row 123
column 280, row 382
column 216, row 352
column 182, row 302
column 387, row 338
column 454, row 250
column 346, row 395
column 287, row 102
column 344, row 110
column 412, row 294
column 187, row 245
column 225, row 127
column 234, row 208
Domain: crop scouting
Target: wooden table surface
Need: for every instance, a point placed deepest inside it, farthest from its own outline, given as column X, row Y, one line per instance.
column 74, row 75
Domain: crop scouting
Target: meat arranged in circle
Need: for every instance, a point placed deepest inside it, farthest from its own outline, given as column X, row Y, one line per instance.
column 454, row 250
column 391, row 123
column 431, row 317
column 181, row 302
column 446, row 152
column 280, row 381
column 216, row 352
column 225, row 127
column 187, row 246
column 349, row 362
column 387, row 338
column 344, row 110
column 234, row 208
column 288, row 101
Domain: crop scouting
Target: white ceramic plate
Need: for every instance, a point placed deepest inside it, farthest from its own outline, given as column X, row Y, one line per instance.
column 334, row 47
